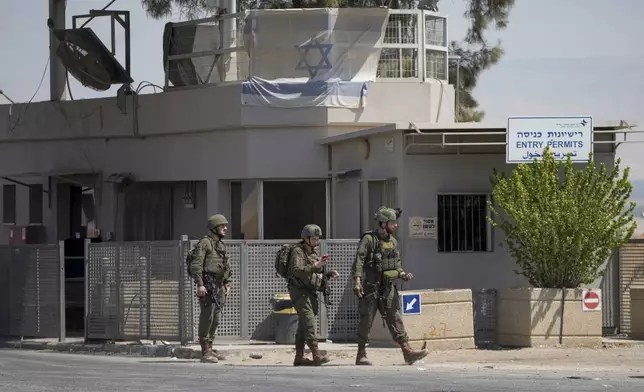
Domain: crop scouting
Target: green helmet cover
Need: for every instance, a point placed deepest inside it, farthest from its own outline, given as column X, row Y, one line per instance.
column 216, row 220
column 385, row 214
column 311, row 231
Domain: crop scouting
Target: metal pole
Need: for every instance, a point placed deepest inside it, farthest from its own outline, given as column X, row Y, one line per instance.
column 458, row 90
column 324, row 314
column 182, row 292
column 87, row 291
column 57, row 72
column 243, row 291
column 61, row 292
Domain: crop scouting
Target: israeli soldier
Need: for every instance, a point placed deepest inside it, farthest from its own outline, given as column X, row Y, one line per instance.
column 211, row 273
column 376, row 267
column 304, row 282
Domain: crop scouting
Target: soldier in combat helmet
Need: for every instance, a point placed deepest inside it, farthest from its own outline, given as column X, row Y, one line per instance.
column 210, row 264
column 376, row 267
column 305, row 281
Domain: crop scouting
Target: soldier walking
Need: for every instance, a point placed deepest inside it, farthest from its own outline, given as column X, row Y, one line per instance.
column 306, row 278
column 376, row 267
column 211, row 273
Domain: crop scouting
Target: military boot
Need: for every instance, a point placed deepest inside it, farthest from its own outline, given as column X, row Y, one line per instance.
column 412, row 355
column 300, row 359
column 318, row 358
column 206, row 352
column 218, row 355
column 361, row 357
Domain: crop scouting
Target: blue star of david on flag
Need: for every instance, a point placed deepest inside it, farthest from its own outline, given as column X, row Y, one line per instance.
column 324, row 63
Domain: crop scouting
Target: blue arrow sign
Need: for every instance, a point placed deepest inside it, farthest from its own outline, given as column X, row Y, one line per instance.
column 411, row 303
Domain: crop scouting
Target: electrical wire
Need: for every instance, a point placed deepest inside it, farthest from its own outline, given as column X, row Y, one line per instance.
column 26, row 107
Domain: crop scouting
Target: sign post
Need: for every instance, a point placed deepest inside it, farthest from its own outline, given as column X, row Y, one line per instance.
column 411, row 304
column 527, row 137
column 590, row 301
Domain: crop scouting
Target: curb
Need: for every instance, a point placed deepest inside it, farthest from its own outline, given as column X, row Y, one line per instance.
column 146, row 350
column 152, row 350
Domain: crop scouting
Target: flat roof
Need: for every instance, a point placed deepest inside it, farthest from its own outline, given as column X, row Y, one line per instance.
column 435, row 127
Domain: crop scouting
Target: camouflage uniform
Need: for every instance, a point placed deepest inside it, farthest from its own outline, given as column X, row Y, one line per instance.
column 303, row 286
column 210, row 258
column 378, row 264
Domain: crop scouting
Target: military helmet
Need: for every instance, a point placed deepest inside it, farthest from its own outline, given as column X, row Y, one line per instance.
column 311, row 231
column 216, row 220
column 385, row 214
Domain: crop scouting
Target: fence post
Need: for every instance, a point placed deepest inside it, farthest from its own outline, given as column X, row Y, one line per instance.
column 87, row 292
column 148, row 290
column 324, row 314
column 243, row 291
column 118, row 333
column 183, row 286
column 61, row 292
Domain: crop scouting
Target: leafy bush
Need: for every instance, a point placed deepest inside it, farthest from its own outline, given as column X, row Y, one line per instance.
column 561, row 224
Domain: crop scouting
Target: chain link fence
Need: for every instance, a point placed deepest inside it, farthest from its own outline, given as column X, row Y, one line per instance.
column 136, row 290
column 141, row 290
column 31, row 291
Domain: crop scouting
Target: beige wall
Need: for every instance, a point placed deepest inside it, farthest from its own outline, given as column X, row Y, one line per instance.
column 219, row 107
column 420, row 179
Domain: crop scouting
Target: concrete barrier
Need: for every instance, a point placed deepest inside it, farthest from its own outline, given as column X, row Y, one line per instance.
column 637, row 314
column 446, row 322
column 529, row 317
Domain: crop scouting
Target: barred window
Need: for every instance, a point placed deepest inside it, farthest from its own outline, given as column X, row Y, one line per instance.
column 462, row 226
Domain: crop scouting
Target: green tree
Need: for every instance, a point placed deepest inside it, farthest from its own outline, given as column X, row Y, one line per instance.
column 561, row 224
column 476, row 53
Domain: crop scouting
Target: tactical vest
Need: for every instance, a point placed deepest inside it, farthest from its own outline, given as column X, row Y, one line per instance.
column 217, row 262
column 385, row 254
column 315, row 279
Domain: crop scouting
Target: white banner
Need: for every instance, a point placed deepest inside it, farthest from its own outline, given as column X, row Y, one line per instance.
column 315, row 44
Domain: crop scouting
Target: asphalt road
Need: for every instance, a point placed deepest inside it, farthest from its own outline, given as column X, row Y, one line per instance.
column 43, row 371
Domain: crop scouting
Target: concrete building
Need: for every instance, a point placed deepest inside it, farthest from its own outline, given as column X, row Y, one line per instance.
column 154, row 167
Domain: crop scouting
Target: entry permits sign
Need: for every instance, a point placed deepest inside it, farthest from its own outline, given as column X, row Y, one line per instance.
column 527, row 137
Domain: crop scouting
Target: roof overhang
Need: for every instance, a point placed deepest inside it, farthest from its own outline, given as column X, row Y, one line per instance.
column 490, row 136
column 438, row 128
column 360, row 134
column 52, row 173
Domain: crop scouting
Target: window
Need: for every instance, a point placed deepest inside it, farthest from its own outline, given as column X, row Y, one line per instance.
column 9, row 204
column 290, row 205
column 382, row 193
column 35, row 204
column 276, row 209
column 244, row 210
column 462, row 226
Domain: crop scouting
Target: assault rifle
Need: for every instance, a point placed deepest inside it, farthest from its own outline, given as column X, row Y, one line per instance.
column 325, row 287
column 211, row 286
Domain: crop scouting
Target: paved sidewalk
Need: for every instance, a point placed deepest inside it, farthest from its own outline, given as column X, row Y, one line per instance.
column 616, row 354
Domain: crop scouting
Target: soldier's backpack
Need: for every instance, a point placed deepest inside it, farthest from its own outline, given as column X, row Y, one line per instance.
column 192, row 253
column 376, row 245
column 282, row 258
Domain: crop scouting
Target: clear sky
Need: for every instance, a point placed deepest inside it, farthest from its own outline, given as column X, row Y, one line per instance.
column 563, row 57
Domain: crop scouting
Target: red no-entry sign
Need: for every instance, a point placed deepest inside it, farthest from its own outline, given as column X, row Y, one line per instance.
column 591, row 301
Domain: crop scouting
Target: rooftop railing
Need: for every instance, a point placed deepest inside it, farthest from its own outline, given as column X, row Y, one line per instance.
column 211, row 50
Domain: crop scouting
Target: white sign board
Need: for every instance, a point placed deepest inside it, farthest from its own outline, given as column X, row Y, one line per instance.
column 527, row 137
column 591, row 300
column 424, row 228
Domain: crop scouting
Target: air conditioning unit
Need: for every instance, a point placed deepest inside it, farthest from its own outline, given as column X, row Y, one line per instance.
column 17, row 235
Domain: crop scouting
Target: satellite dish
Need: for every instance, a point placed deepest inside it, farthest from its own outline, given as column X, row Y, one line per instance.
column 88, row 60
